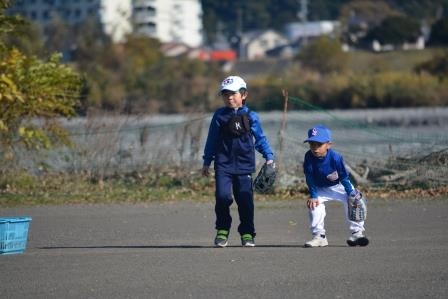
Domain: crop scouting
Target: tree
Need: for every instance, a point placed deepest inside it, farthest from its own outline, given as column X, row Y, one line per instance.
column 57, row 36
column 28, row 39
column 422, row 9
column 439, row 33
column 395, row 30
column 358, row 17
column 246, row 16
column 324, row 55
column 33, row 94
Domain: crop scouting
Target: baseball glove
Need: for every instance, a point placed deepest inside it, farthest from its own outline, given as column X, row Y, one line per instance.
column 265, row 179
column 357, row 206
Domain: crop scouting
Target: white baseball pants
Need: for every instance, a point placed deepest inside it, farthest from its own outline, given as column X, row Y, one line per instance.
column 317, row 216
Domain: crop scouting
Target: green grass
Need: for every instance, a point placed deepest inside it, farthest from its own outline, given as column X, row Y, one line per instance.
column 368, row 62
column 23, row 189
column 65, row 189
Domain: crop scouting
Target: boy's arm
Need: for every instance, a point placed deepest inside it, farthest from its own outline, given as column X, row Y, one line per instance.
column 347, row 185
column 261, row 141
column 311, row 186
column 313, row 201
column 308, row 170
column 344, row 176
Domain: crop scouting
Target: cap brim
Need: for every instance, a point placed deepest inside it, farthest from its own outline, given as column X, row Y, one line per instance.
column 315, row 140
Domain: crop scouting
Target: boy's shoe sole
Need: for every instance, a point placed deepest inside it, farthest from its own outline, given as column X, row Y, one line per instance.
column 317, row 241
column 314, row 246
column 248, row 244
column 362, row 241
column 221, row 243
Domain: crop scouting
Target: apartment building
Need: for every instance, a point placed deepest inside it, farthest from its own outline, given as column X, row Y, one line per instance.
column 177, row 21
column 168, row 20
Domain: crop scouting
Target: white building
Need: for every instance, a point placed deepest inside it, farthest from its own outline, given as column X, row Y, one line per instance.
column 256, row 43
column 298, row 30
column 168, row 20
column 114, row 15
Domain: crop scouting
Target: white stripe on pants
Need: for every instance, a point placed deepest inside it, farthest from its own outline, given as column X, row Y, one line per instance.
column 317, row 216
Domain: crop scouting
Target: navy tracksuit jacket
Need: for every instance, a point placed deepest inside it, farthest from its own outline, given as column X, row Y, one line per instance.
column 234, row 163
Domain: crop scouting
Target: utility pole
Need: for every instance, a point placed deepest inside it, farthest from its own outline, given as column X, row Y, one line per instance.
column 239, row 32
column 303, row 17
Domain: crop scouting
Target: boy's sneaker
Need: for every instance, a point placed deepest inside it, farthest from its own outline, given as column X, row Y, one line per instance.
column 358, row 239
column 317, row 241
column 247, row 240
column 222, row 237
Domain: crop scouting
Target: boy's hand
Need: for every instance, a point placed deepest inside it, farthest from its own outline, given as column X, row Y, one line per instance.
column 205, row 171
column 312, row 203
column 269, row 161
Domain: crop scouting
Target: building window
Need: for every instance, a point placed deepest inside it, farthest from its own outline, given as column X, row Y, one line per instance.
column 77, row 13
column 33, row 15
column 46, row 15
column 147, row 28
column 151, row 10
column 91, row 11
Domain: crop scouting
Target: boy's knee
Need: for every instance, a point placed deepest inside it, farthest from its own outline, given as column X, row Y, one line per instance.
column 224, row 197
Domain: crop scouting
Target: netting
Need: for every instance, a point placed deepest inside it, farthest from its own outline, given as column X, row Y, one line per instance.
column 385, row 146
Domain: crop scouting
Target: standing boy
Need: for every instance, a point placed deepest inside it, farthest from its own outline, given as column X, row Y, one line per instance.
column 327, row 180
column 234, row 134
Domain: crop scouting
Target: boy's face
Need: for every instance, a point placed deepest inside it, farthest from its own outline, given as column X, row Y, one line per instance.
column 233, row 99
column 319, row 149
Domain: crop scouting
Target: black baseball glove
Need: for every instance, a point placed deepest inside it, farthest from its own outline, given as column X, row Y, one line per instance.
column 265, row 179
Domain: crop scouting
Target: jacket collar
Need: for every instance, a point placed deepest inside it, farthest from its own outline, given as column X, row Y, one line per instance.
column 240, row 109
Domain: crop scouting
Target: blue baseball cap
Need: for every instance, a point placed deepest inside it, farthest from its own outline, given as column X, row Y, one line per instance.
column 319, row 133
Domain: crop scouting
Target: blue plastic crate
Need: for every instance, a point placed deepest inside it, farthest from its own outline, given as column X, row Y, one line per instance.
column 13, row 234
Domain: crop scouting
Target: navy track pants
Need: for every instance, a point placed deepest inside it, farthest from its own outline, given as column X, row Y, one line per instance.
column 240, row 186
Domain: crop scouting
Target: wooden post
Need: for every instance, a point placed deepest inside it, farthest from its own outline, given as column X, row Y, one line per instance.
column 282, row 129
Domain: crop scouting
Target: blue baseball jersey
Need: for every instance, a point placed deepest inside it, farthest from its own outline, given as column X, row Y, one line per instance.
column 235, row 155
column 325, row 172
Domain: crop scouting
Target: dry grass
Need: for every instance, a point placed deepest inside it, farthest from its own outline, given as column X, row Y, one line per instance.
column 163, row 185
column 368, row 62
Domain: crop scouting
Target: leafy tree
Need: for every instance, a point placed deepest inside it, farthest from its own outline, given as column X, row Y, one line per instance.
column 325, row 9
column 439, row 32
column 246, row 16
column 95, row 56
column 8, row 24
column 324, row 55
column 422, row 9
column 28, row 39
column 395, row 31
column 29, row 89
column 58, row 37
column 33, row 94
column 90, row 43
column 358, row 17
